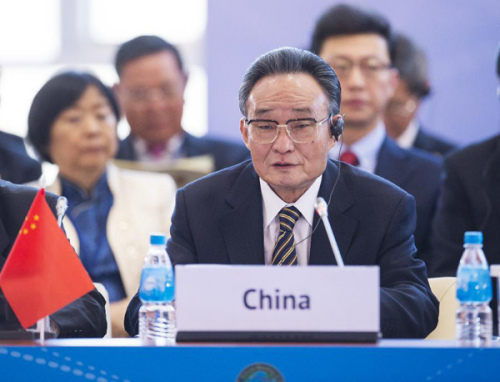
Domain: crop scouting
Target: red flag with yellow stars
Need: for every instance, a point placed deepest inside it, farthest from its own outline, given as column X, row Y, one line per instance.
column 42, row 273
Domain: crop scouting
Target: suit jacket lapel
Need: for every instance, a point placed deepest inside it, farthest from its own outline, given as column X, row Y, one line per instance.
column 242, row 222
column 343, row 226
column 391, row 163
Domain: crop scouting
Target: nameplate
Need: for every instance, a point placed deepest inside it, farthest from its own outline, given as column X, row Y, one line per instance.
column 265, row 303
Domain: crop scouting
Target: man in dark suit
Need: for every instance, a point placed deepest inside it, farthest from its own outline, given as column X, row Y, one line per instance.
column 242, row 215
column 469, row 201
column 401, row 120
column 151, row 94
column 84, row 317
column 357, row 44
column 16, row 165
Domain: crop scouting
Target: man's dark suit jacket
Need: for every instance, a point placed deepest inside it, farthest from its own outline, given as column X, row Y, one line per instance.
column 469, row 201
column 430, row 143
column 218, row 220
column 225, row 153
column 419, row 174
column 84, row 317
column 15, row 164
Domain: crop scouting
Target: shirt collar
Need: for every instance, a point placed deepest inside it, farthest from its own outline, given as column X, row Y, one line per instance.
column 366, row 148
column 74, row 192
column 172, row 147
column 272, row 203
column 407, row 138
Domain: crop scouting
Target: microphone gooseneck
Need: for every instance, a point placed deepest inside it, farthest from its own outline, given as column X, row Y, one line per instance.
column 322, row 210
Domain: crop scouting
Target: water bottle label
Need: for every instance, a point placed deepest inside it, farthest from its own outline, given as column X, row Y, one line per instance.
column 157, row 285
column 473, row 285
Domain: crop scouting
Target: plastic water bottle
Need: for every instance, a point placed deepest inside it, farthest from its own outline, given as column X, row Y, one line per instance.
column 157, row 291
column 474, row 325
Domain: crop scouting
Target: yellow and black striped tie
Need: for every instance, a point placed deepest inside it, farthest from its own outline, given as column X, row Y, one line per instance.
column 284, row 250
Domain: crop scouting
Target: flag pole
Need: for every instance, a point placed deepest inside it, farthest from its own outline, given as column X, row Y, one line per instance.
column 61, row 207
column 40, row 325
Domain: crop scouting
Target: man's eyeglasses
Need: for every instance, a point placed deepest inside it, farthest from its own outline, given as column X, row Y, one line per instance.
column 302, row 130
column 160, row 93
column 401, row 108
column 370, row 67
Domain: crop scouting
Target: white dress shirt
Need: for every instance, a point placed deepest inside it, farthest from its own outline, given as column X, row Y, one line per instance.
column 407, row 139
column 366, row 149
column 172, row 150
column 272, row 205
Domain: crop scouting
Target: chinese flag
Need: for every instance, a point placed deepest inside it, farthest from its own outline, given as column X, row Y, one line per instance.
column 42, row 273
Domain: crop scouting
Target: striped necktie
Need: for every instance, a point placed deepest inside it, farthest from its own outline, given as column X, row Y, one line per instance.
column 284, row 250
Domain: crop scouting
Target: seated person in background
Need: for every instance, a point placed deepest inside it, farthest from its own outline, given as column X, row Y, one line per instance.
column 84, row 317
column 72, row 123
column 290, row 101
column 400, row 119
column 469, row 201
column 357, row 44
column 151, row 94
column 16, row 165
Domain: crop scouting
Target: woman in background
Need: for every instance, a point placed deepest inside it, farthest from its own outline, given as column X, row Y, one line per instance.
column 72, row 123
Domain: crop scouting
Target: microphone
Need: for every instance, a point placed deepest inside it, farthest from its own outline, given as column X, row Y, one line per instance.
column 61, row 207
column 322, row 210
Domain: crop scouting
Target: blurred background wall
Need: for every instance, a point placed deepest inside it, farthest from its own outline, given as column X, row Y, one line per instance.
column 460, row 38
column 219, row 39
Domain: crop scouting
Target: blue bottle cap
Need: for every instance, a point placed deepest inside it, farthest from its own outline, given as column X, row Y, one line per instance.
column 158, row 239
column 473, row 237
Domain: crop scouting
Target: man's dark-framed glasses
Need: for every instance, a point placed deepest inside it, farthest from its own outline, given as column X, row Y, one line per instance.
column 301, row 130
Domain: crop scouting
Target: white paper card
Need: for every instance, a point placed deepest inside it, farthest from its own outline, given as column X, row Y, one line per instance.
column 265, row 298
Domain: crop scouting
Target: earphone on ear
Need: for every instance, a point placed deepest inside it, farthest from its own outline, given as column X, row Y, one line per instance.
column 337, row 125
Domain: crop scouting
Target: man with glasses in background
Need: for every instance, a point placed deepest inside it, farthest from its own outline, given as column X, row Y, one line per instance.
column 401, row 121
column 357, row 44
column 262, row 211
column 151, row 94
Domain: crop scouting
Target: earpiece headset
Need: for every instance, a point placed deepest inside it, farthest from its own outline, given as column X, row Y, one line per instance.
column 337, row 129
column 337, row 126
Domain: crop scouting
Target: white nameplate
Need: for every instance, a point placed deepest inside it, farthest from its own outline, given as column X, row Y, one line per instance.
column 265, row 299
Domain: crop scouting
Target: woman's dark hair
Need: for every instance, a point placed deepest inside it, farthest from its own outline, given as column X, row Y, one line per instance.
column 58, row 94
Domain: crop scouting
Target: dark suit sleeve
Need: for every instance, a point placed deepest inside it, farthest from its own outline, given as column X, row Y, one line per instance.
column 181, row 250
column 85, row 317
column 408, row 308
column 453, row 217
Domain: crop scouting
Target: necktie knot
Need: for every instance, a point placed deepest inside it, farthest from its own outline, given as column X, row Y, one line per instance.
column 288, row 216
column 350, row 158
column 156, row 150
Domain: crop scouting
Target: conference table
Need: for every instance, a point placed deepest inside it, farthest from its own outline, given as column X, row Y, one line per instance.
column 128, row 360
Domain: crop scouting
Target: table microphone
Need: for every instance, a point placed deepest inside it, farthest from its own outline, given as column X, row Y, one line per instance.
column 61, row 207
column 322, row 210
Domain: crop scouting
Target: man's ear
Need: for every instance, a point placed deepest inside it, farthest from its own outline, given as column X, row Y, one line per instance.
column 244, row 133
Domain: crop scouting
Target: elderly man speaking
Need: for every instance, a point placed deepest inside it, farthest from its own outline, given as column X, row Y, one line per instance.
column 290, row 102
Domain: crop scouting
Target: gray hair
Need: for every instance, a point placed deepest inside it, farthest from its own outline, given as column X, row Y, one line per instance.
column 411, row 63
column 288, row 61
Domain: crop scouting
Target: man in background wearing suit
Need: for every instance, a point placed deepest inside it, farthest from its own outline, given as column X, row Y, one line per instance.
column 356, row 43
column 16, row 165
column 290, row 102
column 151, row 94
column 401, row 122
column 469, row 201
column 84, row 317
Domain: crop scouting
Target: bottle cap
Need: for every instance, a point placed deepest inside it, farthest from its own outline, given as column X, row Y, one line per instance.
column 473, row 237
column 158, row 239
